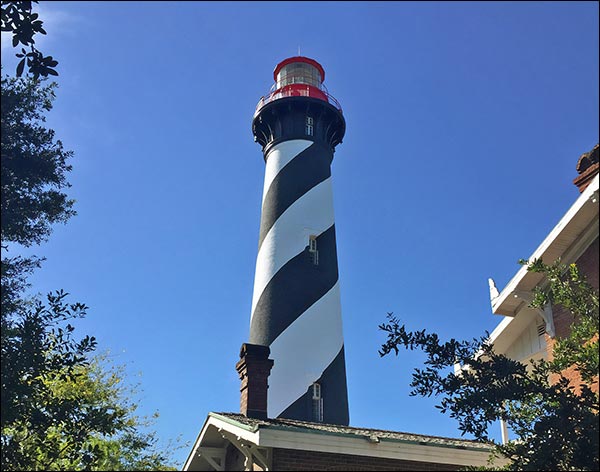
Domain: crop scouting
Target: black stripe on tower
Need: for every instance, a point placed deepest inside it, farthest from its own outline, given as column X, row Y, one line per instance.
column 294, row 289
column 334, row 392
column 306, row 170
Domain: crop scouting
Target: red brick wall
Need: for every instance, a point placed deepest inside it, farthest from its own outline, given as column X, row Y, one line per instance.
column 290, row 459
column 588, row 266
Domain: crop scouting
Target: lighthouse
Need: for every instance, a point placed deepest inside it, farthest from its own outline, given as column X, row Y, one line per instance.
column 296, row 310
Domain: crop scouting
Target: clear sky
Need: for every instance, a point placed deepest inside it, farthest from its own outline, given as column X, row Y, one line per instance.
column 464, row 125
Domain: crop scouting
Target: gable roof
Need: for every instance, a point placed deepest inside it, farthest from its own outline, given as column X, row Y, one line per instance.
column 251, row 434
column 283, row 424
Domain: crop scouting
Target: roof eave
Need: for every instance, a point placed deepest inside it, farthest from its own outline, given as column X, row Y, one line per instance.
column 582, row 217
column 272, row 436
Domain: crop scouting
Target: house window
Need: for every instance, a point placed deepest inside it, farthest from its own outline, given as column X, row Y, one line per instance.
column 317, row 403
column 312, row 249
column 310, row 122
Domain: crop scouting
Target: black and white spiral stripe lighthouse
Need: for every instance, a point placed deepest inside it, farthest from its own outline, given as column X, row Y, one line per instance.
column 296, row 307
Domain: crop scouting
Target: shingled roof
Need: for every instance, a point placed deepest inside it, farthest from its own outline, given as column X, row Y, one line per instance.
column 253, row 424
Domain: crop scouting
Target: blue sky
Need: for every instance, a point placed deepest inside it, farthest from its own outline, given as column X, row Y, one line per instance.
column 464, row 125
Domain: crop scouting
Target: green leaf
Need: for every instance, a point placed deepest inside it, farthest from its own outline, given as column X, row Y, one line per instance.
column 20, row 67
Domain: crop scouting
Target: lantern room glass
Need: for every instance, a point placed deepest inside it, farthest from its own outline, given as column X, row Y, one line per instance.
column 299, row 73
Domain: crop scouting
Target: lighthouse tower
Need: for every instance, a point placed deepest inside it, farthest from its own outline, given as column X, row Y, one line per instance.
column 296, row 302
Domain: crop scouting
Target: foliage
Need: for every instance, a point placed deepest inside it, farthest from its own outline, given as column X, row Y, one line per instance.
column 13, row 277
column 59, row 410
column 37, row 349
column 134, row 447
column 19, row 19
column 99, row 429
column 34, row 165
column 570, row 290
column 37, row 342
column 557, row 428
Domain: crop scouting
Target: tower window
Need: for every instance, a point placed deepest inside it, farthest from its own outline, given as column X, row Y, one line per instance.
column 312, row 249
column 312, row 243
column 310, row 123
column 317, row 403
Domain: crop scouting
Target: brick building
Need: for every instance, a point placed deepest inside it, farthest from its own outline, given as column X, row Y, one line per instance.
column 527, row 333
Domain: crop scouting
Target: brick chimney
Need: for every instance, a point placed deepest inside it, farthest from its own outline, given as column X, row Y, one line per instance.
column 587, row 168
column 254, row 368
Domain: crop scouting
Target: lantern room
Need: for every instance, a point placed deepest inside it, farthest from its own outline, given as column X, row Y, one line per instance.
column 298, row 76
column 299, row 70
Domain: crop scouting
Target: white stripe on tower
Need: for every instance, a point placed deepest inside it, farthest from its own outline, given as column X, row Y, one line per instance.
column 311, row 214
column 321, row 328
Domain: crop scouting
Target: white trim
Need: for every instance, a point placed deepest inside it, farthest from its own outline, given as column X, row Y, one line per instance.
column 197, row 443
column 363, row 446
column 500, row 328
column 350, row 444
column 553, row 246
column 210, row 454
column 504, row 431
column 218, row 424
column 565, row 241
column 510, row 329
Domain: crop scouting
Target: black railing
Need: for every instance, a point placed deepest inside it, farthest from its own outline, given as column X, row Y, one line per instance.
column 297, row 91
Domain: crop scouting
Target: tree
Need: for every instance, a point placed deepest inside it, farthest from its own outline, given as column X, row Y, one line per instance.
column 99, row 429
column 34, row 165
column 37, row 349
column 17, row 18
column 134, row 447
column 37, row 341
column 61, row 409
column 569, row 289
column 557, row 428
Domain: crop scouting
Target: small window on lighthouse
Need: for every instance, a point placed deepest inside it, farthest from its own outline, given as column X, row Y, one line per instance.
column 309, row 125
column 312, row 248
column 317, row 403
column 312, row 243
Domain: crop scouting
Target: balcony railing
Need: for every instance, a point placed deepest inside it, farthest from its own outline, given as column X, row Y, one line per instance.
column 298, row 91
